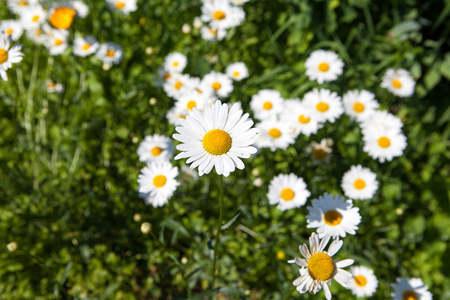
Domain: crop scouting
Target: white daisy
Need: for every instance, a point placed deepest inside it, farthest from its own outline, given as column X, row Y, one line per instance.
column 12, row 28
column 157, row 183
column 399, row 82
column 8, row 56
column 215, row 83
column 211, row 34
column 56, row 41
column 359, row 183
column 266, row 104
column 359, row 105
column 175, row 62
column 323, row 66
column 110, row 53
column 84, row 46
column 61, row 15
column 32, row 17
column 320, row 151
column 288, row 191
column 333, row 215
column 155, row 148
column 19, row 6
column 274, row 135
column 364, row 282
column 175, row 114
column 301, row 119
column 81, row 8
column 383, row 145
column 216, row 137
column 52, row 87
column 192, row 99
column 177, row 85
column 324, row 104
column 381, row 120
column 237, row 71
column 124, row 6
column 410, row 289
column 221, row 15
column 318, row 268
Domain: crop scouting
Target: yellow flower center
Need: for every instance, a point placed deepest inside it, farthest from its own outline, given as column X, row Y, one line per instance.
column 281, row 255
column 213, row 31
column 360, row 280
column 217, row 142
column 358, row 107
column 396, row 83
column 321, row 267
column 51, row 85
column 110, row 53
column 3, row 56
column 267, row 105
column 58, row 42
column 175, row 64
column 304, row 120
column 287, row 194
column 178, row 85
column 191, row 104
column 216, row 86
column 384, row 142
column 322, row 106
column 323, row 67
column 359, row 184
column 156, row 151
column 332, row 218
column 9, row 31
column 275, row 133
column 23, row 3
column 62, row 17
column 219, row 15
column 319, row 154
column 120, row 5
column 159, row 181
column 86, row 47
column 166, row 76
column 410, row 295
column 35, row 19
column 236, row 74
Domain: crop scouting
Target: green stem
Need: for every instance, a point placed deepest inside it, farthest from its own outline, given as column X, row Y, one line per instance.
column 219, row 225
column 289, row 293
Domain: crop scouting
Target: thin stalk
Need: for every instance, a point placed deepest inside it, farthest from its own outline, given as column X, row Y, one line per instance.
column 289, row 293
column 219, row 225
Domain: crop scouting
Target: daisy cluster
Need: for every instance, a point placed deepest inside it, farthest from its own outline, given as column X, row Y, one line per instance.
column 49, row 26
column 189, row 91
column 218, row 16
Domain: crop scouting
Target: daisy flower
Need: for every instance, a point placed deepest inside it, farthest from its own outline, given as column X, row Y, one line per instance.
column 124, row 6
column 211, row 34
column 410, row 289
column 175, row 114
column 323, row 66
column 157, row 183
column 84, row 46
column 221, row 15
column 318, row 268
column 19, row 6
column 288, row 191
column 237, row 71
column 364, row 282
column 274, row 135
column 217, row 137
column 155, row 148
column 266, row 104
column 381, row 121
column 175, row 62
column 333, row 215
column 8, row 56
column 320, row 151
column 359, row 105
column 383, row 145
column 61, row 16
column 399, row 82
column 110, row 53
column 32, row 17
column 12, row 29
column 52, row 87
column 359, row 183
column 177, row 85
column 56, row 41
column 81, row 8
column 301, row 119
column 37, row 35
column 324, row 104
column 215, row 83
column 192, row 99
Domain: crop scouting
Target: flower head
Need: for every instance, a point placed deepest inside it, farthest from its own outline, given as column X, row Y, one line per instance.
column 157, row 183
column 288, row 191
column 364, row 282
column 359, row 183
column 410, row 289
column 399, row 82
column 8, row 56
column 323, row 66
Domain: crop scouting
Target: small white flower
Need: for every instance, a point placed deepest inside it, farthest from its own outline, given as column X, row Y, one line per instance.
column 221, row 15
column 175, row 62
column 212, row 34
column 364, row 282
column 324, row 104
column 178, row 85
column 186, row 28
column 123, row 6
column 381, row 120
column 323, row 66
column 274, row 134
column 399, row 82
column 410, row 289
column 84, row 46
column 19, row 6
column 12, row 28
column 192, row 99
column 110, row 53
column 215, row 83
column 359, row 105
column 155, row 148
column 266, row 104
column 383, row 145
column 81, row 8
column 33, row 16
column 288, row 191
column 333, row 215
column 56, row 41
column 359, row 183
column 52, row 87
column 301, row 119
column 8, row 56
column 320, row 151
column 237, row 71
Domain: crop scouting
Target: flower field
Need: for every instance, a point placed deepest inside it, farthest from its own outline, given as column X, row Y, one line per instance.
column 224, row 149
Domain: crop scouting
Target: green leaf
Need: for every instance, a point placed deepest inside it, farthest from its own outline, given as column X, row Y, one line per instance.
column 232, row 220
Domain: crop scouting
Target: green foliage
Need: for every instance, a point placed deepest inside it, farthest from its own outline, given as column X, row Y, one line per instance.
column 69, row 168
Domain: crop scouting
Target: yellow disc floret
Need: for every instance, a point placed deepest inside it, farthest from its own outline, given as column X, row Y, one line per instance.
column 359, row 184
column 62, row 17
column 236, row 74
column 3, row 56
column 9, row 31
column 319, row 154
column 86, row 46
column 219, row 15
column 332, row 218
column 216, row 86
column 304, row 120
column 58, row 42
column 178, row 85
column 35, row 18
column 191, row 104
column 217, row 142
column 321, row 267
column 384, row 142
column 275, row 133
column 396, row 83
column 156, row 151
column 287, row 194
column 159, row 181
column 322, row 106
column 110, row 53
column 267, row 105
column 410, row 295
column 120, row 5
column 358, row 107
column 360, row 281
column 323, row 67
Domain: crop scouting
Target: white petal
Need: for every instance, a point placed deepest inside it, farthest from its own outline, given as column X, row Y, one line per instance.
column 344, row 263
